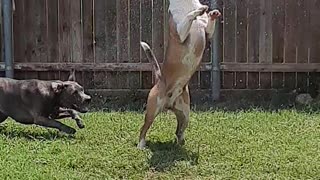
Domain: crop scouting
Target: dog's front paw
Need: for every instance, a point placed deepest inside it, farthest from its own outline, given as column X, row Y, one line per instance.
column 80, row 123
column 214, row 14
column 200, row 11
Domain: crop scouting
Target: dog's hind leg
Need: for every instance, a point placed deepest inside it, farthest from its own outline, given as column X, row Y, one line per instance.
column 154, row 107
column 183, row 27
column 182, row 111
column 3, row 117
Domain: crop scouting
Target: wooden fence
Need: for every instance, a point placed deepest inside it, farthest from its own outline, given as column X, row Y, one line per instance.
column 267, row 44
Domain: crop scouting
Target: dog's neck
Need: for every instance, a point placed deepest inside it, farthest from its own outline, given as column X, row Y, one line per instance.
column 180, row 8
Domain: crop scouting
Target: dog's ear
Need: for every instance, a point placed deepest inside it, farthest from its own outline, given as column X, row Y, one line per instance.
column 57, row 87
column 72, row 76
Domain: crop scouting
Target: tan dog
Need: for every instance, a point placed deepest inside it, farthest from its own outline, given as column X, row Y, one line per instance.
column 190, row 26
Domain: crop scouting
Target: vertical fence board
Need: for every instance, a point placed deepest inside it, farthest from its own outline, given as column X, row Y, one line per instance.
column 19, row 32
column 253, row 41
column 205, row 80
column 315, row 31
column 290, row 31
column 265, row 46
column 278, row 20
column 100, row 21
column 253, row 80
column 228, row 80
column 265, row 80
column 35, row 30
column 277, row 80
column 241, row 41
column 146, row 80
column 241, row 80
column 76, row 31
column 52, row 31
column 146, row 25
column 111, row 30
column 123, row 32
column 157, row 29
column 134, row 54
column 88, row 46
column 253, row 31
column 302, row 15
column 229, row 33
column 134, row 31
column 290, row 80
column 302, row 82
column 241, row 31
column 65, row 30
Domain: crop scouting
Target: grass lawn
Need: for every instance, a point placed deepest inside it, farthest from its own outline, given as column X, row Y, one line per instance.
column 219, row 145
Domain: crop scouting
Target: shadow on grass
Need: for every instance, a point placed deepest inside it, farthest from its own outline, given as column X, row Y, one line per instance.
column 166, row 154
column 49, row 135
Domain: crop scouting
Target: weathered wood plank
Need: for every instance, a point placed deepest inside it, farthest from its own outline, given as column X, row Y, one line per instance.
column 88, row 79
column 253, row 80
column 146, row 25
column 134, row 31
column 52, row 31
column 290, row 42
column 314, row 27
column 303, row 38
column 228, row 80
column 265, row 80
column 111, row 31
column 88, row 39
column 231, row 67
column 65, row 26
column 241, row 80
column 100, row 21
column 253, row 31
column 158, row 29
column 241, row 31
column 35, row 31
column 205, row 79
column 255, row 67
column 278, row 21
column 302, row 82
column 290, row 80
column 229, row 33
column 265, row 46
column 89, row 67
column 123, row 31
column 19, row 37
column 146, row 80
column 76, row 31
column 277, row 80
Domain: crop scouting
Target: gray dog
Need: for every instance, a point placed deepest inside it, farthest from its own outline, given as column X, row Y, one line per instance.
column 42, row 102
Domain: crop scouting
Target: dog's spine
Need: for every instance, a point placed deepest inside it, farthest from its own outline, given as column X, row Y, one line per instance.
column 152, row 58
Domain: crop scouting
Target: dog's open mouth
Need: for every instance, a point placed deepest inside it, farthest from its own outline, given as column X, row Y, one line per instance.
column 80, row 109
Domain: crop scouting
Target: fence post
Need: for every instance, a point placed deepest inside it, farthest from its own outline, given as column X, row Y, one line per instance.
column 216, row 56
column 7, row 36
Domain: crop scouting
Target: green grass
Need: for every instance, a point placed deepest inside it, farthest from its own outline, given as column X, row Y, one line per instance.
column 220, row 145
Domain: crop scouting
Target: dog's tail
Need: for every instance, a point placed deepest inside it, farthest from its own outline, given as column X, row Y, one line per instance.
column 152, row 58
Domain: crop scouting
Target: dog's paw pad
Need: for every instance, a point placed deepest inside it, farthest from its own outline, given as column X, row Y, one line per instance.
column 214, row 14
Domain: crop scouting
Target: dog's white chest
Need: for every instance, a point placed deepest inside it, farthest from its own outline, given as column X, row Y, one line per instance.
column 180, row 8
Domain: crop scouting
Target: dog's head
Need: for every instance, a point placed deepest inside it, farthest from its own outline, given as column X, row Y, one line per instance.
column 71, row 94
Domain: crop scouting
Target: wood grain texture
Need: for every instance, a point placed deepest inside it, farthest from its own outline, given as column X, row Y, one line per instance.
column 88, row 39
